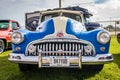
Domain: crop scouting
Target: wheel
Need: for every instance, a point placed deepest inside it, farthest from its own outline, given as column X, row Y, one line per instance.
column 118, row 37
column 27, row 67
column 93, row 67
column 23, row 67
column 97, row 67
column 2, row 46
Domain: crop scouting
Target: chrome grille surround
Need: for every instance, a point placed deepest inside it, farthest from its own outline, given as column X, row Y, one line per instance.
column 60, row 47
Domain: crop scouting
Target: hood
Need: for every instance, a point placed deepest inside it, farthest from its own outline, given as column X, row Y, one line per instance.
column 61, row 27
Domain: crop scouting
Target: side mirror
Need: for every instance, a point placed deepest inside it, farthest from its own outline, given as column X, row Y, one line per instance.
column 16, row 28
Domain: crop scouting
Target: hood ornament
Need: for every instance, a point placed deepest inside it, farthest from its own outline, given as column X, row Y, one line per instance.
column 60, row 34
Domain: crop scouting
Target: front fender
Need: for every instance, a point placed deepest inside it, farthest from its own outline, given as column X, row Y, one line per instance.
column 33, row 35
column 91, row 36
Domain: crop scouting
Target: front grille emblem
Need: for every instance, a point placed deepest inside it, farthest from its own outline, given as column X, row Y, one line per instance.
column 60, row 34
column 60, row 51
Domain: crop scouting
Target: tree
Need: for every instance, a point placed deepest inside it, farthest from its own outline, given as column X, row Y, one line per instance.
column 109, row 27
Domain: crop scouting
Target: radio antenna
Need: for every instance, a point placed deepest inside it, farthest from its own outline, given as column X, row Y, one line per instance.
column 59, row 3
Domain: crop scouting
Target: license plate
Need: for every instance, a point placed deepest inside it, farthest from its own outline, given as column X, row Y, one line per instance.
column 59, row 61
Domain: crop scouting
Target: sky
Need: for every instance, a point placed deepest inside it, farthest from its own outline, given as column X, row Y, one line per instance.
column 101, row 9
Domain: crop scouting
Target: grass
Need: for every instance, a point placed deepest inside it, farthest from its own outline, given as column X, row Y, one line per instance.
column 111, row 71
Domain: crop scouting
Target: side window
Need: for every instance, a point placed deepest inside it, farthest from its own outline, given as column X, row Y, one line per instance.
column 15, row 26
column 78, row 18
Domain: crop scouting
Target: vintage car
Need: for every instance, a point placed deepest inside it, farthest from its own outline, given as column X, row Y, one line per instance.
column 6, row 28
column 60, row 40
column 118, row 37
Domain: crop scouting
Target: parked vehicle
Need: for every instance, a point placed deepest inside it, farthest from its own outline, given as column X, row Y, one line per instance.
column 60, row 40
column 6, row 29
column 118, row 37
column 32, row 18
column 92, row 25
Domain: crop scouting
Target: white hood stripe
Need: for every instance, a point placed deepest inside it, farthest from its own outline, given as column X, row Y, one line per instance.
column 60, row 24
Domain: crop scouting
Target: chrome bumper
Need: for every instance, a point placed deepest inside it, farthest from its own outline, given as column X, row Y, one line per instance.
column 74, row 60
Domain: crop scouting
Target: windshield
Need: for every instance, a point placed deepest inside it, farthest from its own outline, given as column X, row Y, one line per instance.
column 49, row 16
column 3, row 25
column 69, row 15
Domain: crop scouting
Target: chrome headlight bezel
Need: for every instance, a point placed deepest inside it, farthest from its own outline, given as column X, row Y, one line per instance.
column 17, row 37
column 103, row 37
column 88, row 48
column 31, row 48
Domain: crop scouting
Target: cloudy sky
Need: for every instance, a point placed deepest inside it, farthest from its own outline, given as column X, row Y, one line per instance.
column 101, row 9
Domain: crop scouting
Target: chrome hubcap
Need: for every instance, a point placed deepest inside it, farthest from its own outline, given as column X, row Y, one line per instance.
column 1, row 46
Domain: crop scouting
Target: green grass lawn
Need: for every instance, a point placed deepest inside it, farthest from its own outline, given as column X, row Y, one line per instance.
column 111, row 71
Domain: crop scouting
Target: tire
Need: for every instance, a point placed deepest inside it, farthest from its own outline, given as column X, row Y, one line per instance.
column 2, row 46
column 27, row 67
column 118, row 37
column 98, row 67
column 93, row 67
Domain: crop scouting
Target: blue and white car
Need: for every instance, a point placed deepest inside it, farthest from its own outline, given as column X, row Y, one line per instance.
column 60, row 40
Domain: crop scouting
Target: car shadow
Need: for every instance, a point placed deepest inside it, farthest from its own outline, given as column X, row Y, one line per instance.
column 60, row 74
column 117, row 59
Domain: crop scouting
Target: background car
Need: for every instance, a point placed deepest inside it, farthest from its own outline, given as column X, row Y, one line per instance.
column 32, row 18
column 118, row 37
column 6, row 29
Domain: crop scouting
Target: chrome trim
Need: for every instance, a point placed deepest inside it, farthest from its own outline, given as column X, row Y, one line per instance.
column 70, row 46
column 56, row 47
column 40, row 60
column 86, row 60
column 99, row 33
column 43, row 47
column 22, row 37
column 76, row 47
column 61, row 42
column 73, row 46
column 80, row 58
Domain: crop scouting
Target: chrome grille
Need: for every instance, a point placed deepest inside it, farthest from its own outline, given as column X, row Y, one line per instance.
column 53, row 47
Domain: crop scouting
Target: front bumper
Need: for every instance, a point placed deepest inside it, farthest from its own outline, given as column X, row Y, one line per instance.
column 74, row 60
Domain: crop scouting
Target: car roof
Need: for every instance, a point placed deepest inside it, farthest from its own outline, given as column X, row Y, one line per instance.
column 7, row 20
column 74, row 8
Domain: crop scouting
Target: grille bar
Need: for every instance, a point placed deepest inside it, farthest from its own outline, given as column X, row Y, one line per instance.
column 66, row 47
column 60, row 46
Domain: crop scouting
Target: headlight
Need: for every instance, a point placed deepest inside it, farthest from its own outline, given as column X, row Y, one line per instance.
column 17, row 38
column 103, row 37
